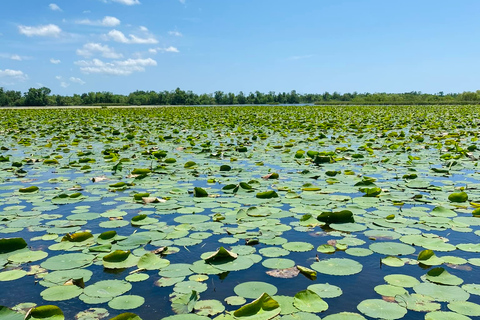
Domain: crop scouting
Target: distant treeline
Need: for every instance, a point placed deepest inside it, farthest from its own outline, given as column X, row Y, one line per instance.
column 43, row 97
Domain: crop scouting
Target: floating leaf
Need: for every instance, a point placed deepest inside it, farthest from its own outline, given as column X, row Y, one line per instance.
column 337, row 266
column 126, row 302
column 380, row 309
column 343, row 216
column 263, row 308
column 11, row 244
column 458, row 197
column 253, row 289
column 47, row 312
column 309, row 301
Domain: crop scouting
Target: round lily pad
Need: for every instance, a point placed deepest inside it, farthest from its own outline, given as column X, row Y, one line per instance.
column 465, row 307
column 27, row 256
column 107, row 288
column 392, row 248
column 278, row 263
column 337, row 266
column 325, row 290
column 12, row 275
column 68, row 261
column 345, row 316
column 60, row 293
column 298, row 246
column 309, row 301
column 126, row 302
column 380, row 309
column 442, row 293
column 401, row 280
column 254, row 289
column 445, row 315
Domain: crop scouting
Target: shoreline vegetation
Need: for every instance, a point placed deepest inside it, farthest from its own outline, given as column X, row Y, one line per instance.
column 38, row 97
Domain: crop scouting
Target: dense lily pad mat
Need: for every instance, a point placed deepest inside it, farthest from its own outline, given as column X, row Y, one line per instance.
column 240, row 212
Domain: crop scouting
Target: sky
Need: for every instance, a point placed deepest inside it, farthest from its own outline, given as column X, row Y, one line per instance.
column 310, row 46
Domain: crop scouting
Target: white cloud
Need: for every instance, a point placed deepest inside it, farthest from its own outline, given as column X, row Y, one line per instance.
column 105, row 22
column 91, row 49
column 77, row 80
column 13, row 74
column 127, row 2
column 49, row 30
column 64, row 84
column 175, row 33
column 116, row 68
column 182, row 1
column 144, row 29
column 118, row 36
column 168, row 49
column 16, row 57
column 55, row 61
column 54, row 7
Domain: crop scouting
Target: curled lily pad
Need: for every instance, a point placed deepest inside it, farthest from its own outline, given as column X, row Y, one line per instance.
column 442, row 276
column 11, row 244
column 309, row 301
column 126, row 316
column 120, row 259
column 343, row 216
column 458, row 197
column 265, row 307
column 221, row 254
column 47, row 312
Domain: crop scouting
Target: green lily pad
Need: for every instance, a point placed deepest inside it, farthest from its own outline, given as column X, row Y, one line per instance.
column 466, row 308
column 442, row 293
column 442, row 276
column 208, row 307
column 47, row 312
column 278, row 263
column 401, row 280
column 445, row 315
column 12, row 275
column 27, row 256
column 392, row 248
column 263, row 308
column 298, row 246
column 337, row 266
column 151, row 261
column 253, row 289
column 126, row 316
column 68, row 261
column 380, row 309
column 345, row 316
column 60, row 293
column 126, row 302
column 325, row 290
column 309, row 301
column 9, row 314
column 107, row 288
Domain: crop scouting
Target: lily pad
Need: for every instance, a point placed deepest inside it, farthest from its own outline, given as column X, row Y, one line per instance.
column 253, row 289
column 380, row 309
column 337, row 266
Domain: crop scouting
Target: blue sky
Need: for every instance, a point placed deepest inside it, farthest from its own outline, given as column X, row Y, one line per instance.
column 310, row 46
